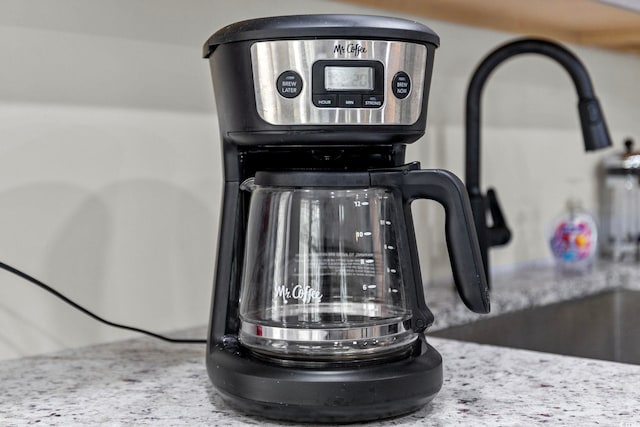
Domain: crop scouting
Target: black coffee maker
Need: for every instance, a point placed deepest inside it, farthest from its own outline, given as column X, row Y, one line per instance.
column 318, row 311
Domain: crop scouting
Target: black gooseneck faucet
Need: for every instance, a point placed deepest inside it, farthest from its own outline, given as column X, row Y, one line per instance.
column 594, row 130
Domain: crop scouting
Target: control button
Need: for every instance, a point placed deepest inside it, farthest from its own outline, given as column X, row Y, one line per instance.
column 372, row 101
column 325, row 100
column 401, row 85
column 350, row 101
column 289, row 84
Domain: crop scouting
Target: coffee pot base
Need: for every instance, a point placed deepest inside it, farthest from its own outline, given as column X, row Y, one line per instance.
column 332, row 395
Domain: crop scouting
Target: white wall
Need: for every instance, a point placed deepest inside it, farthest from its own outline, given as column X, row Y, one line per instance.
column 110, row 171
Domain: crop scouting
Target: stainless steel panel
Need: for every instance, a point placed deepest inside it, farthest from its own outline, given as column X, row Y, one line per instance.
column 271, row 58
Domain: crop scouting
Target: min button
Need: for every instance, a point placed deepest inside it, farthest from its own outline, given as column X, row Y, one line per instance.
column 350, row 101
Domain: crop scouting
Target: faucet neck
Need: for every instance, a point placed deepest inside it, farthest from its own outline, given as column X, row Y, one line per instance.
column 568, row 60
column 594, row 130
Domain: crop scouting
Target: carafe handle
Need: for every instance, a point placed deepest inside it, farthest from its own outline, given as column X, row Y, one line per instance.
column 462, row 242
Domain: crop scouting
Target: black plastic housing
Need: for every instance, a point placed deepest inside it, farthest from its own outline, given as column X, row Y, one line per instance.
column 329, row 395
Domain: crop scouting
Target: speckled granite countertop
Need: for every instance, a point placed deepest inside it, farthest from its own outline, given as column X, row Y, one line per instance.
column 143, row 381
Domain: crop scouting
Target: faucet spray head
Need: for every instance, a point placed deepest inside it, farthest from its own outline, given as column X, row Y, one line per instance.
column 594, row 128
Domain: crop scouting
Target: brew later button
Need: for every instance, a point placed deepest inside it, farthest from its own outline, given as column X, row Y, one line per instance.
column 401, row 85
column 289, row 84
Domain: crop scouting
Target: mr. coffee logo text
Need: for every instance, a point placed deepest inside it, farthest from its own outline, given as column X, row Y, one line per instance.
column 304, row 294
column 354, row 49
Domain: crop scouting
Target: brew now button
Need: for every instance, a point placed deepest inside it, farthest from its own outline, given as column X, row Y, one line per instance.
column 401, row 85
column 289, row 84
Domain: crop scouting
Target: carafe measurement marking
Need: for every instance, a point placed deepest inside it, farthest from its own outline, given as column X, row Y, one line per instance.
column 361, row 234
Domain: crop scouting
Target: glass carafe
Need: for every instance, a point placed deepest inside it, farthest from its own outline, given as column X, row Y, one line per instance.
column 323, row 269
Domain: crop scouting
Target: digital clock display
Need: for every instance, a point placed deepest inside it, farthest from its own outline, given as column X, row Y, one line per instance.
column 348, row 78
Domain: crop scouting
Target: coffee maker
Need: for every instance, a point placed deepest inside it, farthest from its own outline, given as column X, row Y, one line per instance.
column 318, row 311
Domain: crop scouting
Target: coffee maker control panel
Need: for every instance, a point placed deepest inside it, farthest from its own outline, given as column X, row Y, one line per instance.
column 348, row 84
column 339, row 82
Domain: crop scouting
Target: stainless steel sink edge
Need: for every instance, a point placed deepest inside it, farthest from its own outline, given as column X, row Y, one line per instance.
column 602, row 325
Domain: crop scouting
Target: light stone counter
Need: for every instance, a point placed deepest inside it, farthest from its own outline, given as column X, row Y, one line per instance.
column 143, row 381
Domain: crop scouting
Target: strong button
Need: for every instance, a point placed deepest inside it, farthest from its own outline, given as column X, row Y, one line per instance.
column 372, row 101
column 289, row 84
column 401, row 85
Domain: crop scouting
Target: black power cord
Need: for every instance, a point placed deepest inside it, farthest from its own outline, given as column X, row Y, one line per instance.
column 93, row 315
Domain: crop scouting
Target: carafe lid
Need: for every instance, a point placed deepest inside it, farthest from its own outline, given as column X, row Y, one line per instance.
column 322, row 26
column 627, row 161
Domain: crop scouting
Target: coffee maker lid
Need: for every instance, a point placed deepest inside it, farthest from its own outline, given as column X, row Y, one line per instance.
column 322, row 26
